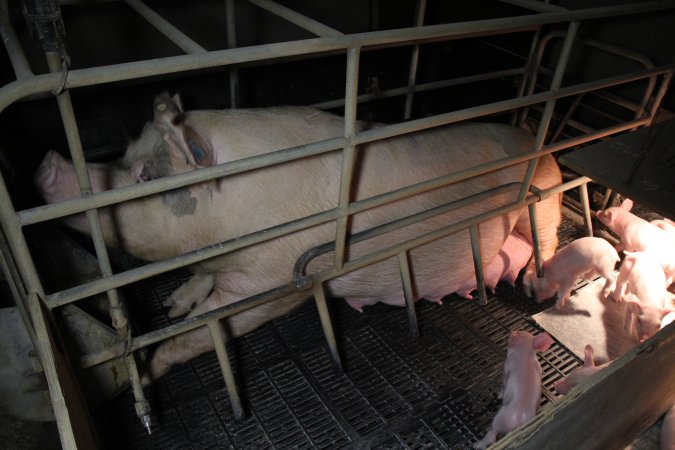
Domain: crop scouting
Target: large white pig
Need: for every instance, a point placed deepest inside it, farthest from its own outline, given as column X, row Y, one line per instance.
column 521, row 391
column 182, row 220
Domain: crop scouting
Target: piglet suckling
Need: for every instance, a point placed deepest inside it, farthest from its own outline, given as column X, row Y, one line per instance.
column 586, row 257
column 578, row 376
column 638, row 235
column 642, row 284
column 521, row 391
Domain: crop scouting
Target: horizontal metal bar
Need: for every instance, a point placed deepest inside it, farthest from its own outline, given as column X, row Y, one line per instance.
column 405, row 36
column 423, row 87
column 76, row 205
column 167, row 29
column 191, row 323
column 294, row 17
column 535, row 5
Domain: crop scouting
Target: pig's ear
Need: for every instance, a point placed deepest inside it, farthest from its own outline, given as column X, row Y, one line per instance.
column 542, row 342
column 167, row 108
column 633, row 302
column 170, row 119
column 627, row 204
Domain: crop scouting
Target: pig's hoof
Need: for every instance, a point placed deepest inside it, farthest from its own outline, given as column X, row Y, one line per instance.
column 178, row 310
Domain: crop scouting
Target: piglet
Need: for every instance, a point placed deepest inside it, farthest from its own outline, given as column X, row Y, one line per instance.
column 585, row 257
column 521, row 390
column 642, row 284
column 638, row 235
column 581, row 374
column 667, row 438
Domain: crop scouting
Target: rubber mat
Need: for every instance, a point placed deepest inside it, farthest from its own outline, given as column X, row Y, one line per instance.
column 395, row 391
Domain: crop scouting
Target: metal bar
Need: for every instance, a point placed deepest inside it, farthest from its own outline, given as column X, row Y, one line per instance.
column 538, row 260
column 535, row 5
column 528, row 74
column 478, row 264
column 180, row 63
column 191, row 323
column 167, row 29
column 330, row 104
column 131, row 276
column 324, row 315
column 231, row 37
column 408, row 294
column 665, row 83
column 568, row 115
column 13, row 280
column 550, row 104
column 73, row 206
column 294, row 17
column 420, row 9
column 218, row 337
column 17, row 57
column 119, row 318
column 583, row 196
column 348, row 154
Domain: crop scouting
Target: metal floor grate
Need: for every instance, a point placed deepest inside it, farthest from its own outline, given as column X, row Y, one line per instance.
column 435, row 391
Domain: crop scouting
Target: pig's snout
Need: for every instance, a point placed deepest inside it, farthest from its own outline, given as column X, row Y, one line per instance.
column 46, row 174
column 55, row 178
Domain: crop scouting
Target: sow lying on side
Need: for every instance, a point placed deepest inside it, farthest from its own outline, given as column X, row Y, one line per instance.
column 178, row 221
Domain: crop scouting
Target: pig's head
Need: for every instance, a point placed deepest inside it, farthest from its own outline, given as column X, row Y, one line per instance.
column 610, row 216
column 543, row 287
column 526, row 341
column 648, row 316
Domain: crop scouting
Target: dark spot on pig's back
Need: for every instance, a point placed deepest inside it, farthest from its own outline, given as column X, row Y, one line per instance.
column 181, row 202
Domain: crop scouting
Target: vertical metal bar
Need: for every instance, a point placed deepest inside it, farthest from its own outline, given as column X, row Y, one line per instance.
column 583, row 195
column 324, row 315
column 528, row 79
column 550, row 105
column 667, row 79
column 117, row 313
column 348, row 156
column 408, row 294
column 16, row 54
column 538, row 261
column 414, row 57
column 231, row 31
column 478, row 264
column 218, row 337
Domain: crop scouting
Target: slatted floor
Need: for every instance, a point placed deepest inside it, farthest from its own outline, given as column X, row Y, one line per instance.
column 396, row 391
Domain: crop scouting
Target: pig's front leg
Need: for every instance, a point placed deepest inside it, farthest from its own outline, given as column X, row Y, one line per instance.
column 192, row 292
column 186, row 346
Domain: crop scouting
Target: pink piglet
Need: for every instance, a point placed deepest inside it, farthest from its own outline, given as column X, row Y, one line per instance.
column 522, row 384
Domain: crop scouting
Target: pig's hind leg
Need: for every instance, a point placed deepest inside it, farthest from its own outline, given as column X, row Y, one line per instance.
column 192, row 292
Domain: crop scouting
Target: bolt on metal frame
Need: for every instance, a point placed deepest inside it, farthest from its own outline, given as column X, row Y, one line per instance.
column 331, row 41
